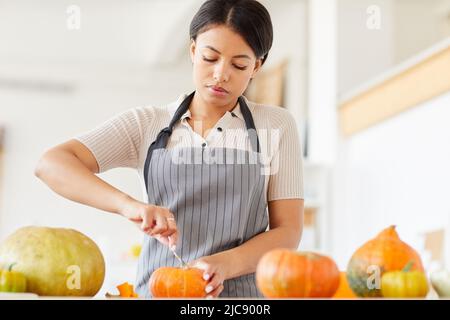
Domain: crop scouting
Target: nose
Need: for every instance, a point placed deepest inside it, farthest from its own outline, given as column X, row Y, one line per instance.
column 221, row 73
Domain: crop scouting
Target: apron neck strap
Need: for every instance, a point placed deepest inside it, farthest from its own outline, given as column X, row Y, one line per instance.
column 164, row 135
column 184, row 106
column 250, row 125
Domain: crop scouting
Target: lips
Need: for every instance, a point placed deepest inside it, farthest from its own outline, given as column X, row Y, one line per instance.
column 218, row 89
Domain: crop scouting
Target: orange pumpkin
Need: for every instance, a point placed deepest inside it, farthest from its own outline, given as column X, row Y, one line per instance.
column 283, row 273
column 171, row 282
column 344, row 291
column 386, row 252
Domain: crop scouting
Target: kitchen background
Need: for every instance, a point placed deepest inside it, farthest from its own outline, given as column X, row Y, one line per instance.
column 367, row 81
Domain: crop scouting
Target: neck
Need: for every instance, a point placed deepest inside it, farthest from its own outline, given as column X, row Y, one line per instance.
column 201, row 110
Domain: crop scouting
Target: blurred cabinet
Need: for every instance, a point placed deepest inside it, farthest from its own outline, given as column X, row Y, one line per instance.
column 316, row 217
column 310, row 229
column 320, row 130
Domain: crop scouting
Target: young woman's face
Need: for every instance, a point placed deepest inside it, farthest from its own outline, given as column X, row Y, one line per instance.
column 222, row 59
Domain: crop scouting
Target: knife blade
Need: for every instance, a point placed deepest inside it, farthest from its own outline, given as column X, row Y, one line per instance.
column 183, row 264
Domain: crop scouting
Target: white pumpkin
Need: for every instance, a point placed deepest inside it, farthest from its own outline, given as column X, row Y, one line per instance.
column 440, row 280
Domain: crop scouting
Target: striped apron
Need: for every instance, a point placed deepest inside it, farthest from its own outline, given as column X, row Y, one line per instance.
column 217, row 196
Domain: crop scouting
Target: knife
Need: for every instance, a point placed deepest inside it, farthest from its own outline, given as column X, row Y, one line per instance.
column 183, row 264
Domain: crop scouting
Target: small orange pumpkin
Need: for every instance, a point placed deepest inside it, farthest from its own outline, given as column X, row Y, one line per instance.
column 283, row 273
column 126, row 290
column 344, row 291
column 171, row 282
column 386, row 252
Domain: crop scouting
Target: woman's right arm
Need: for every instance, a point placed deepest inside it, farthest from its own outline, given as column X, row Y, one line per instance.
column 70, row 169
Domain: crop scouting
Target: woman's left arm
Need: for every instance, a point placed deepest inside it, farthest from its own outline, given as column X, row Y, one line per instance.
column 285, row 231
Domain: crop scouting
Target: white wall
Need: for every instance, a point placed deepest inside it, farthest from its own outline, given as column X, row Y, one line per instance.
column 394, row 173
column 289, row 18
column 418, row 25
column 35, row 121
column 55, row 84
column 363, row 53
column 407, row 27
column 111, row 32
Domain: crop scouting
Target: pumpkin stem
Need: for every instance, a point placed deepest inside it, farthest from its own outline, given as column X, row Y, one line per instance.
column 389, row 232
column 11, row 266
column 408, row 266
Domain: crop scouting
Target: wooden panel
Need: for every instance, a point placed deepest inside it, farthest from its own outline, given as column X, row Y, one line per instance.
column 309, row 217
column 268, row 86
column 434, row 243
column 424, row 81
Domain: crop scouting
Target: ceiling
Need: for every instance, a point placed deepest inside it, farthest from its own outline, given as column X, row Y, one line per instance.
column 111, row 32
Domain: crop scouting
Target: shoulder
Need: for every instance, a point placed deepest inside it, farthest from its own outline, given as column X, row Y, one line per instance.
column 271, row 116
column 150, row 115
column 164, row 113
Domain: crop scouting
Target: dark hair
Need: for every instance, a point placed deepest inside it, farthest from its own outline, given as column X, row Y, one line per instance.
column 249, row 18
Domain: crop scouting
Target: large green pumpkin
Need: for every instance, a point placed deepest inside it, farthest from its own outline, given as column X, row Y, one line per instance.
column 55, row 261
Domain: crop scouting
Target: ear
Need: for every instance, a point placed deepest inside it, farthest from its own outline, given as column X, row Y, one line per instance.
column 258, row 65
column 192, row 50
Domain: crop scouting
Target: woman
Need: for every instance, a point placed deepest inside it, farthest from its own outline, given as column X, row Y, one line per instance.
column 217, row 168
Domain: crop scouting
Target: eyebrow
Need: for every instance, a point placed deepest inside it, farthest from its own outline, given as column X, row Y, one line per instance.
column 238, row 56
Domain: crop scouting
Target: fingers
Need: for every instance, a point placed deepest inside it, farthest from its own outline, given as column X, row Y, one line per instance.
column 206, row 267
column 171, row 226
column 163, row 240
column 168, row 241
column 215, row 293
column 215, row 283
column 160, row 226
column 147, row 222
column 163, row 228
column 173, row 238
column 214, row 287
column 155, row 221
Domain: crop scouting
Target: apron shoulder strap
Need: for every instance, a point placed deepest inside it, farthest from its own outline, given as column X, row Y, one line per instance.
column 250, row 124
column 164, row 135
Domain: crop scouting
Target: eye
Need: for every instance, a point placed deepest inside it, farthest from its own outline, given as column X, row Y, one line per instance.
column 240, row 68
column 214, row 60
column 209, row 60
